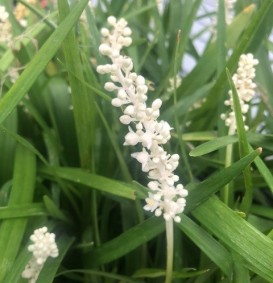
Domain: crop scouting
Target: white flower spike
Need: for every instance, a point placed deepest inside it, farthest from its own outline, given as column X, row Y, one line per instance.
column 5, row 26
column 243, row 81
column 165, row 198
column 43, row 246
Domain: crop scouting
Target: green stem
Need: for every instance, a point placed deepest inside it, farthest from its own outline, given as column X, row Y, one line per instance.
column 169, row 235
column 227, row 193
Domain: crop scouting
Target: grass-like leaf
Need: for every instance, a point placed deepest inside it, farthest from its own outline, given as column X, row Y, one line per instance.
column 12, row 230
column 92, row 181
column 200, row 192
column 39, row 62
column 238, row 235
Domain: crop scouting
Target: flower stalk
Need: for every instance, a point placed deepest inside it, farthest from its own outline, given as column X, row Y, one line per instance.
column 170, row 245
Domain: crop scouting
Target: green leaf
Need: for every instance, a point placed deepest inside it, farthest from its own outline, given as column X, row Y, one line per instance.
column 212, row 248
column 127, row 241
column 92, row 181
column 23, row 210
column 12, row 230
column 264, row 171
column 102, row 274
column 238, row 235
column 212, row 145
column 83, row 102
column 155, row 273
column 198, row 193
column 39, row 62
column 53, row 210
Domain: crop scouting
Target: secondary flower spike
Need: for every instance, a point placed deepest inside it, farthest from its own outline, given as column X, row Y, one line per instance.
column 5, row 26
column 243, row 81
column 165, row 197
column 43, row 246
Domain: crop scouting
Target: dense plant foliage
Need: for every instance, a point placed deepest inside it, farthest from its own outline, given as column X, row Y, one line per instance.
column 64, row 165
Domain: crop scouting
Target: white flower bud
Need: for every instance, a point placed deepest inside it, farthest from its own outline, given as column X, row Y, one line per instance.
column 156, row 104
column 129, row 110
column 131, row 139
column 127, row 41
column 111, row 20
column 116, row 102
column 105, row 49
column 109, row 86
column 104, row 32
column 101, row 69
column 140, row 80
column 127, row 31
column 125, row 119
column 122, row 94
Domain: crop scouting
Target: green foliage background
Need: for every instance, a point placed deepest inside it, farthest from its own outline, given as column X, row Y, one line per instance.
column 63, row 165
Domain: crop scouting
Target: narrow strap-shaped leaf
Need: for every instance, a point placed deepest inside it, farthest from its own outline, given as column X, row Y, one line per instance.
column 211, row 247
column 83, row 104
column 198, row 193
column 39, row 62
column 92, row 181
column 12, row 230
column 264, row 171
column 237, row 234
column 127, row 241
column 23, row 210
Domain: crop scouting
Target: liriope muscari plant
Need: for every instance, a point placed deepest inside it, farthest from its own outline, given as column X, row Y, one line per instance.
column 245, row 87
column 243, row 81
column 165, row 196
column 43, row 246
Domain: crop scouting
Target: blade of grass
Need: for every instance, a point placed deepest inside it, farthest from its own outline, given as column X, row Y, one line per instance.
column 12, row 230
column 127, row 241
column 176, row 67
column 264, row 171
column 123, row 165
column 92, row 181
column 214, row 143
column 39, row 62
column 238, row 235
column 23, row 210
column 198, row 193
column 221, row 38
column 212, row 248
column 83, row 105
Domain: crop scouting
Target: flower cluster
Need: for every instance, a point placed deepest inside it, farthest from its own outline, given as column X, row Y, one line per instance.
column 164, row 197
column 43, row 246
column 5, row 26
column 243, row 81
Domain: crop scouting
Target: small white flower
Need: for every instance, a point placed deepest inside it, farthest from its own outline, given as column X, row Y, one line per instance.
column 43, row 246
